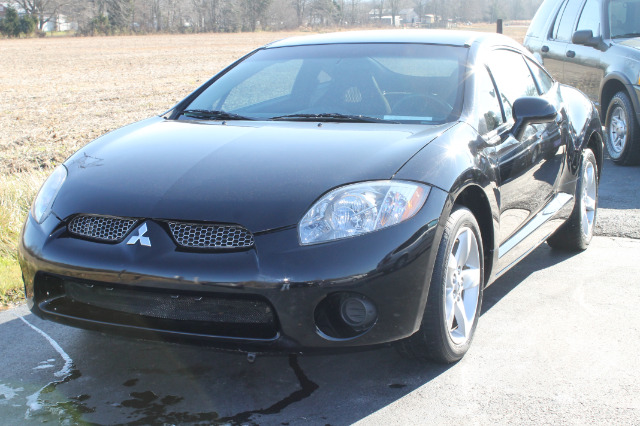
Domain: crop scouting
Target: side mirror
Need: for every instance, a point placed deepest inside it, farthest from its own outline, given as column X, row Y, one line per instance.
column 531, row 110
column 586, row 38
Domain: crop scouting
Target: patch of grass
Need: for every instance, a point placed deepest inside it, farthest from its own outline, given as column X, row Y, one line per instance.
column 11, row 289
column 16, row 193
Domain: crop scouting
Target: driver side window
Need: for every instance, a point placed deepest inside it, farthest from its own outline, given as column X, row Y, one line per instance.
column 590, row 17
column 563, row 27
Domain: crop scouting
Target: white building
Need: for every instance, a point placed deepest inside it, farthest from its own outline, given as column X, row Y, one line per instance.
column 59, row 23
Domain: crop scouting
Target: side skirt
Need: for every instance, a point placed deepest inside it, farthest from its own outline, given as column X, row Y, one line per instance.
column 534, row 233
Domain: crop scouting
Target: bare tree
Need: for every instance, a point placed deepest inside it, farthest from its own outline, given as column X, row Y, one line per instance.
column 354, row 12
column 120, row 14
column 379, row 6
column 254, row 12
column 208, row 14
column 394, row 6
column 323, row 12
column 301, row 8
column 44, row 10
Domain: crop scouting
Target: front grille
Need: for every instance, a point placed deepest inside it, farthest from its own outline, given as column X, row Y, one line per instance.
column 102, row 228
column 207, row 236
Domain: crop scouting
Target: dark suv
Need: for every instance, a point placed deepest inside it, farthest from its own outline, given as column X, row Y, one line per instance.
column 594, row 45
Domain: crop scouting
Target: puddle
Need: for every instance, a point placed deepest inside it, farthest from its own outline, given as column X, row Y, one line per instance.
column 131, row 382
column 155, row 410
column 307, row 387
column 397, row 386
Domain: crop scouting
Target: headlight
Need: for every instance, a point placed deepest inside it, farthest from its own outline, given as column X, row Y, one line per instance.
column 361, row 208
column 46, row 196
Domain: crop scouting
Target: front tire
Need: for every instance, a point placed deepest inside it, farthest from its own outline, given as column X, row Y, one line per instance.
column 455, row 295
column 577, row 231
column 622, row 131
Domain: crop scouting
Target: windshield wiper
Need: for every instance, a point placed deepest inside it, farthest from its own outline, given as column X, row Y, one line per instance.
column 628, row 35
column 205, row 114
column 330, row 116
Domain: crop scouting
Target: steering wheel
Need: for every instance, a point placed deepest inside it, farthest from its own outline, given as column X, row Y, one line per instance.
column 421, row 104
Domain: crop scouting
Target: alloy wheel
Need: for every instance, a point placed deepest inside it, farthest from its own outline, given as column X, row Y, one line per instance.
column 462, row 286
column 589, row 188
column 618, row 129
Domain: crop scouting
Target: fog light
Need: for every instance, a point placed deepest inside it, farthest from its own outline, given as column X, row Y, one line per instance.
column 358, row 312
column 342, row 316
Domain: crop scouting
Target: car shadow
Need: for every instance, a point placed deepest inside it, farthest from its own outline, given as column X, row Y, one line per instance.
column 542, row 257
column 619, row 187
column 118, row 380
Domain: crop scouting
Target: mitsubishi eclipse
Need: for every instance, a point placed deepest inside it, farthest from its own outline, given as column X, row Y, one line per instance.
column 323, row 192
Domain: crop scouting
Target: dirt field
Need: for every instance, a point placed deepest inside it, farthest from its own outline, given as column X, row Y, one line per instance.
column 60, row 93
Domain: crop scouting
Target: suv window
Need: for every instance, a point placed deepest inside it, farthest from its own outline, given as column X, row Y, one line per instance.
column 563, row 27
column 504, row 64
column 537, row 26
column 590, row 17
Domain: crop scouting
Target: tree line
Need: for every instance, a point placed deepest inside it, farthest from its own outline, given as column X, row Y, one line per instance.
column 100, row 17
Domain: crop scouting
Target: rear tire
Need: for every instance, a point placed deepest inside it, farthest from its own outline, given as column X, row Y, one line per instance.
column 622, row 131
column 576, row 233
column 455, row 295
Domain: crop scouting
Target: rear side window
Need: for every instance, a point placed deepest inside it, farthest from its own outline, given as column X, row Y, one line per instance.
column 590, row 17
column 487, row 102
column 513, row 78
column 563, row 27
column 542, row 78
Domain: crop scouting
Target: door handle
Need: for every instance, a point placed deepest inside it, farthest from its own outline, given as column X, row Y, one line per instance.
column 545, row 49
column 571, row 54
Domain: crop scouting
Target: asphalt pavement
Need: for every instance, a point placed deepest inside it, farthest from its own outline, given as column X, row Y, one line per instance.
column 557, row 343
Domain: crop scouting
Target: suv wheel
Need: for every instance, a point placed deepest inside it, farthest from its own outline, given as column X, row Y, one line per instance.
column 622, row 131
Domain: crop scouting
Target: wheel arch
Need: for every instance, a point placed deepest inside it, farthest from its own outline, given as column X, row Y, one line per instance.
column 596, row 144
column 612, row 84
column 474, row 198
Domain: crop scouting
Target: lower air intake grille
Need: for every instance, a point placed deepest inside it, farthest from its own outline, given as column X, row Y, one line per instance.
column 172, row 307
column 195, row 235
column 102, row 228
column 155, row 313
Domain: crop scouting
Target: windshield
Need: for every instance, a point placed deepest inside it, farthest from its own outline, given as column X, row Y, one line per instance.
column 362, row 82
column 624, row 18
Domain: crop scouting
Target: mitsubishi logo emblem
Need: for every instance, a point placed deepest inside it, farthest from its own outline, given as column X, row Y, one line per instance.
column 144, row 241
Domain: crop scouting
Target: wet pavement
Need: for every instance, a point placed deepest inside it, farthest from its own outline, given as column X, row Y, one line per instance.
column 557, row 343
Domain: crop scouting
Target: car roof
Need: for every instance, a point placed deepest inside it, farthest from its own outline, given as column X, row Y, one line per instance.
column 443, row 37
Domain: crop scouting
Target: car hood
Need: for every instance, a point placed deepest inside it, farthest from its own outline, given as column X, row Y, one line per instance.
column 259, row 175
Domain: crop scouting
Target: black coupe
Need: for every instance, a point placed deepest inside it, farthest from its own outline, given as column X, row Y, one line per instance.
column 322, row 192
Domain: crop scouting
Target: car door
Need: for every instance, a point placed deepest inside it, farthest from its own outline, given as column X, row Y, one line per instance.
column 554, row 50
column 529, row 166
column 583, row 68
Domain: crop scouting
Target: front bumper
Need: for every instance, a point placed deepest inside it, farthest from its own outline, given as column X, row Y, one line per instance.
column 68, row 280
